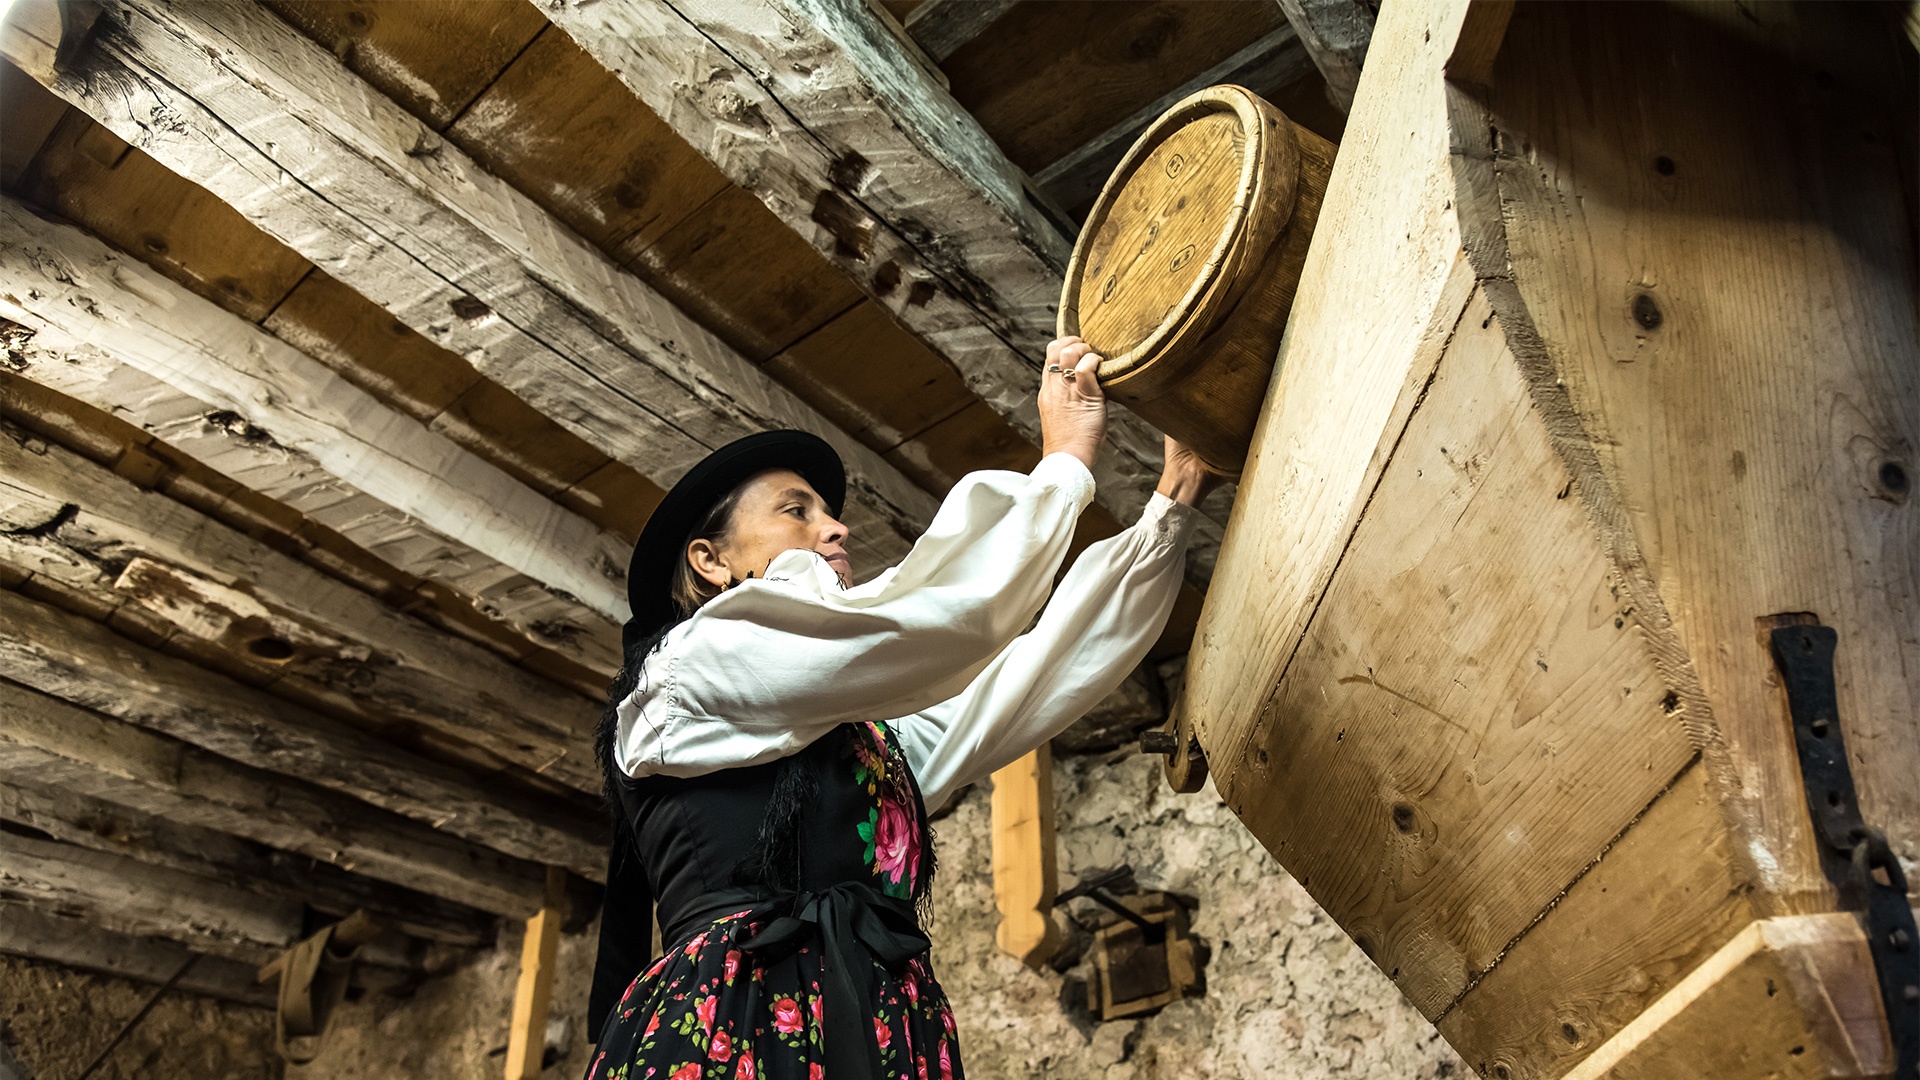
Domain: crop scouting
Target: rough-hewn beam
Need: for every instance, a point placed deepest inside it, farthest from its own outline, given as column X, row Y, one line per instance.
column 1263, row 67
column 1335, row 33
column 79, row 293
column 72, row 942
column 816, row 109
column 82, row 820
column 88, row 665
column 250, row 455
column 123, row 544
column 942, row 26
column 238, row 101
column 83, row 752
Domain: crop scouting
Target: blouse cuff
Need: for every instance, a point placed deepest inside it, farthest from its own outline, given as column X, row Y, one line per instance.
column 1170, row 522
column 1069, row 474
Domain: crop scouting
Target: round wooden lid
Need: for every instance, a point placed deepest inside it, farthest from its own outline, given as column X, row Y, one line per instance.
column 1155, row 245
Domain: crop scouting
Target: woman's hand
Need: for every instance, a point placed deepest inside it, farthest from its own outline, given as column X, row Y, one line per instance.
column 1073, row 408
column 1186, row 479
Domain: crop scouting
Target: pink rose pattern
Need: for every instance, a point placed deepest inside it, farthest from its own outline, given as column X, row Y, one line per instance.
column 703, row 1012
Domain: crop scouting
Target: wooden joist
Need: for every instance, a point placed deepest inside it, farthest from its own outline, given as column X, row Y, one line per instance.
column 1335, row 33
column 72, row 942
column 815, row 108
column 88, row 665
column 80, row 294
column 248, row 454
column 1262, row 67
column 942, row 26
column 238, row 101
column 85, row 753
column 74, row 818
column 121, row 544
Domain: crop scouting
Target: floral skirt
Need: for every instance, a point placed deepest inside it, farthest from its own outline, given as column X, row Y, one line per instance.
column 706, row 1009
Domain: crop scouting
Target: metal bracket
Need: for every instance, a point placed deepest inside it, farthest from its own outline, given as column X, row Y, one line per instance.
column 1804, row 654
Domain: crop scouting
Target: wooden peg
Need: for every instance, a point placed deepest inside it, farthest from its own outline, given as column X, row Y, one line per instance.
column 532, row 996
column 1023, row 858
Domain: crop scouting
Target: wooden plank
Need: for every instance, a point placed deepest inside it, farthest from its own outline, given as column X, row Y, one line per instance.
column 71, row 942
column 532, row 304
column 1024, row 875
column 142, row 900
column 88, row 665
column 32, row 114
column 85, row 753
column 220, row 586
column 84, row 821
column 1335, row 33
column 1737, row 389
column 533, row 992
column 943, row 26
column 857, row 149
column 1790, row 997
column 873, row 378
column 1264, row 67
column 76, row 292
column 1656, row 905
column 403, row 48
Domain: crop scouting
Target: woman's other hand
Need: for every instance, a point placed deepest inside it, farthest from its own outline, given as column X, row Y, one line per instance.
column 1073, row 408
column 1186, row 479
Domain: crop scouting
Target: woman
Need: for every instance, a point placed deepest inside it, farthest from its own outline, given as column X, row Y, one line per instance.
column 778, row 732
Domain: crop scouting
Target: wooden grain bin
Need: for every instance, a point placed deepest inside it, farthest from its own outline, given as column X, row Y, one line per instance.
column 1604, row 367
column 1182, row 278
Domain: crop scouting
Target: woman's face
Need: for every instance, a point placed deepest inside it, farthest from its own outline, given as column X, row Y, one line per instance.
column 778, row 511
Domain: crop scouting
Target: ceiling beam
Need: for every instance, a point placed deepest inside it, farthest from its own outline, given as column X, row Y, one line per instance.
column 1335, row 33
column 79, row 524
column 250, row 455
column 942, row 26
column 239, row 102
column 1262, row 67
column 816, row 108
column 89, row 665
column 69, row 286
column 83, row 752
column 74, row 818
column 72, row 942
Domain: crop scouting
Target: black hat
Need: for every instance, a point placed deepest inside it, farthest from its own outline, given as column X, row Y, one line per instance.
column 663, row 541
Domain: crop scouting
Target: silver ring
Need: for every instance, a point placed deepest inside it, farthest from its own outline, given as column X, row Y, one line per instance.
column 1052, row 368
column 1068, row 375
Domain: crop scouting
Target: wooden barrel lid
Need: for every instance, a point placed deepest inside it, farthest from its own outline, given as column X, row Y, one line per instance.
column 1158, row 251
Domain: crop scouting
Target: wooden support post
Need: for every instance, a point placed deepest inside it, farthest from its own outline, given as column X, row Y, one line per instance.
column 526, row 1042
column 1023, row 860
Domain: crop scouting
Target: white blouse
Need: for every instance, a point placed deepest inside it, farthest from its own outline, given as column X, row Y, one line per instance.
column 933, row 645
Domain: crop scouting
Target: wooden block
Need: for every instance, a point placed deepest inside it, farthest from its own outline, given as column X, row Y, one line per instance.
column 533, row 993
column 1788, row 997
column 1023, row 858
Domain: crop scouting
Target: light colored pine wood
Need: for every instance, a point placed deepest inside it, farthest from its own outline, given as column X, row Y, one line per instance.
column 854, row 147
column 1785, row 998
column 80, row 294
column 407, row 219
column 88, row 665
column 57, row 743
column 1024, row 874
column 229, row 590
column 70, row 942
column 533, row 993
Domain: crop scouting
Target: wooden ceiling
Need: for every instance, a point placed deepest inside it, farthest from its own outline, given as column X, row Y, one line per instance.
column 335, row 392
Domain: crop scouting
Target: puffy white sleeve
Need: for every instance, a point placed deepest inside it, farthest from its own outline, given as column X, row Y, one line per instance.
column 768, row 666
column 1105, row 615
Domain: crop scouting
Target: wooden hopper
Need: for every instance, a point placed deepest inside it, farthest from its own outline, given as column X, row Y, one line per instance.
column 1184, row 273
column 1604, row 368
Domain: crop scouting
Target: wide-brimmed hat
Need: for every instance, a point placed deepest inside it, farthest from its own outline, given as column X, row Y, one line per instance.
column 662, row 543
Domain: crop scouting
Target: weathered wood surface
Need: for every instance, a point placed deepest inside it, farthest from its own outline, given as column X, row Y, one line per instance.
column 1335, row 33
column 1785, row 998
column 941, row 26
column 79, row 293
column 387, row 206
column 71, row 942
column 247, row 453
column 84, row 821
column 1570, row 398
column 81, row 752
column 88, row 665
column 121, row 544
column 814, row 108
